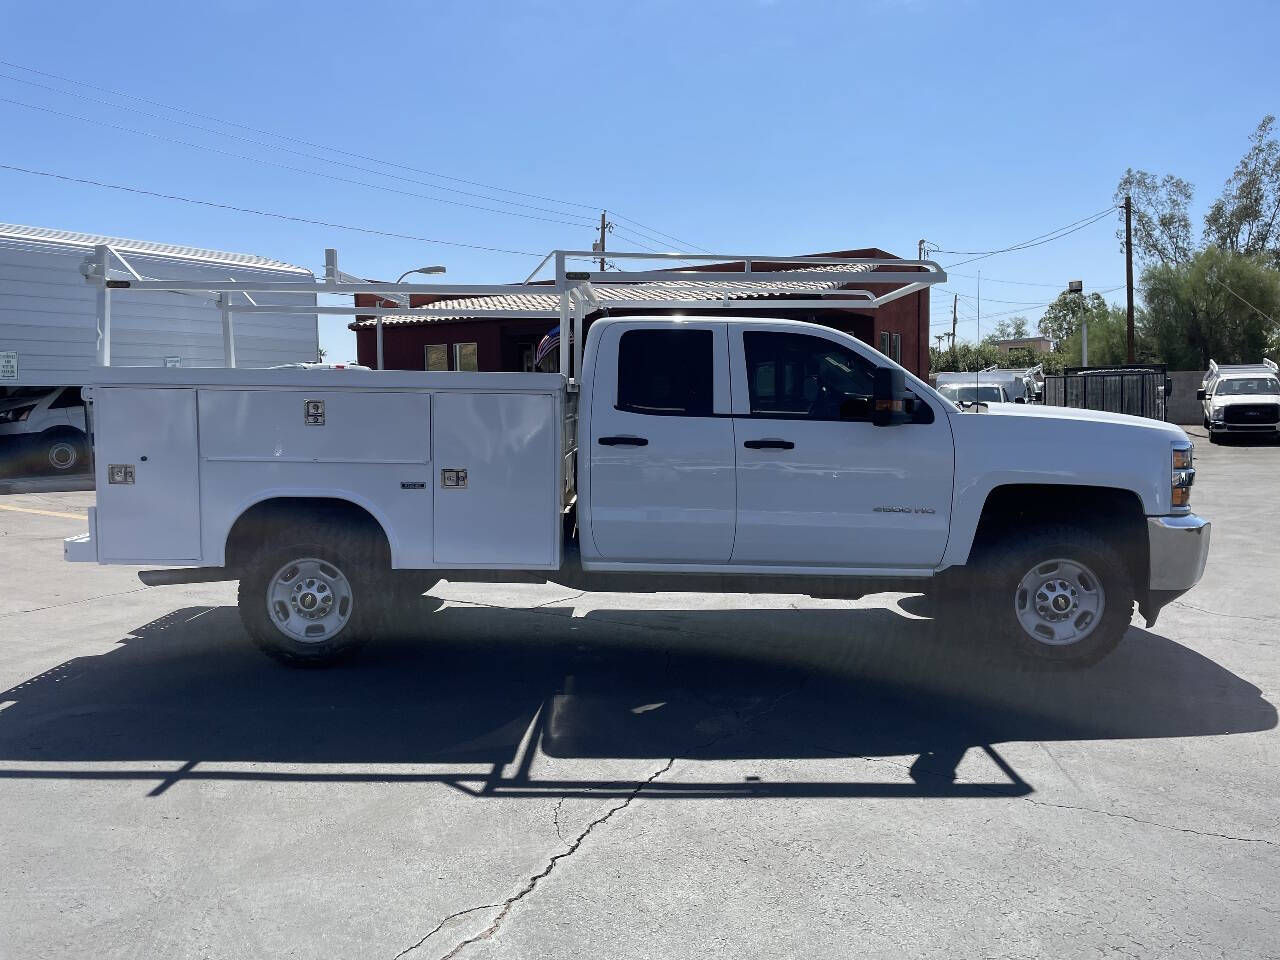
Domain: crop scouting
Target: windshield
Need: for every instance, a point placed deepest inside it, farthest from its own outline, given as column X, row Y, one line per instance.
column 960, row 393
column 1248, row 386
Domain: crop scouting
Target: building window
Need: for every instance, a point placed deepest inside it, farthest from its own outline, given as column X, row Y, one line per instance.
column 884, row 342
column 466, row 357
column 666, row 372
column 437, row 357
column 897, row 348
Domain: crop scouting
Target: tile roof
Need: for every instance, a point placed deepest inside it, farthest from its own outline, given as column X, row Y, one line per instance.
column 643, row 290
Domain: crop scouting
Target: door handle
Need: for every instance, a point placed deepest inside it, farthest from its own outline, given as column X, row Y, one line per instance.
column 769, row 444
column 623, row 442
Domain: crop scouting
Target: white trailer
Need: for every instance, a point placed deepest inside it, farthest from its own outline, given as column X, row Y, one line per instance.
column 52, row 334
column 703, row 452
column 50, row 325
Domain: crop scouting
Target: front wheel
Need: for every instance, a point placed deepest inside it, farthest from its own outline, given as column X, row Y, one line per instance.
column 311, row 603
column 1058, row 594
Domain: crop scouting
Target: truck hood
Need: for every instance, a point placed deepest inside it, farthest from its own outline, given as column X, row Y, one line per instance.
column 1046, row 416
column 1232, row 400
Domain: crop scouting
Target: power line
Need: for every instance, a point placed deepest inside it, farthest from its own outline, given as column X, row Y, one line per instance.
column 287, row 166
column 330, row 149
column 1222, row 283
column 1019, row 283
column 1037, row 241
column 263, row 213
column 260, row 143
column 280, row 136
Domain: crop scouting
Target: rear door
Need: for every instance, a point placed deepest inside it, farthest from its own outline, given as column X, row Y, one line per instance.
column 818, row 483
column 661, row 446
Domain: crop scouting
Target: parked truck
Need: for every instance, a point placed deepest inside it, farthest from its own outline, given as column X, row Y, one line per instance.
column 681, row 453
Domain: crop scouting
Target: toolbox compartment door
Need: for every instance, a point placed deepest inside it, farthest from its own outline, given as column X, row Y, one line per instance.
column 147, row 473
column 495, row 480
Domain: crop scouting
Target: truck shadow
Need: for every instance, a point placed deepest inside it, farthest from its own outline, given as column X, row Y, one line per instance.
column 492, row 698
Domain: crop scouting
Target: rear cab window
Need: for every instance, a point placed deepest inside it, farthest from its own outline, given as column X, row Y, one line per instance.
column 667, row 372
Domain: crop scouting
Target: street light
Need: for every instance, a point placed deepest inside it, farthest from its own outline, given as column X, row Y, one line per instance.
column 436, row 269
column 433, row 269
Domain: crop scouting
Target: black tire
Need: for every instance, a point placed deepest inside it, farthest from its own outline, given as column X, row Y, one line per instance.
column 1214, row 438
column 355, row 556
column 61, row 452
column 996, row 598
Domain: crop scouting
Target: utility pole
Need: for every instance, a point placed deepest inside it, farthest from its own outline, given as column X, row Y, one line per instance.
column 955, row 299
column 604, row 227
column 1128, row 270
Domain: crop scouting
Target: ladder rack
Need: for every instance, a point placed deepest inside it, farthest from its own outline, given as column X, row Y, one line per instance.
column 742, row 282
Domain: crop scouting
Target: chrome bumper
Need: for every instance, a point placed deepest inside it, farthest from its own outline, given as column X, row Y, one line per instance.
column 1179, row 549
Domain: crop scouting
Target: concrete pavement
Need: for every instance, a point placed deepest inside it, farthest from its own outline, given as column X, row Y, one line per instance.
column 538, row 772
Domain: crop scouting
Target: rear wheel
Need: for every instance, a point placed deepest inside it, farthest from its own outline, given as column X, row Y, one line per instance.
column 63, row 451
column 312, row 602
column 1058, row 594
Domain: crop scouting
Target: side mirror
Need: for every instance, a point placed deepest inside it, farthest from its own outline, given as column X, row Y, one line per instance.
column 1199, row 394
column 888, row 404
column 1019, row 399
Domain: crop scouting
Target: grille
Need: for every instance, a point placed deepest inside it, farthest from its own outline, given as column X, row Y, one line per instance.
column 1252, row 413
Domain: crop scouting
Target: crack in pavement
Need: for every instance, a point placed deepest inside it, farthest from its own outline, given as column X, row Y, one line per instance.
column 439, row 926
column 1218, row 613
column 532, row 883
column 72, row 603
column 555, row 818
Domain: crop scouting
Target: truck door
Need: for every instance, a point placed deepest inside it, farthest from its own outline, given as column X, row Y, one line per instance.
column 661, row 444
column 818, row 483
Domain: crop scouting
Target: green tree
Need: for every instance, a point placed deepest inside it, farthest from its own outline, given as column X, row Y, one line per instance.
column 1009, row 328
column 1161, row 223
column 1108, row 339
column 1220, row 305
column 1062, row 318
column 1246, row 218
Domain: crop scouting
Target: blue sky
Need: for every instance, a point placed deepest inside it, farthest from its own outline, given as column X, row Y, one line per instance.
column 759, row 127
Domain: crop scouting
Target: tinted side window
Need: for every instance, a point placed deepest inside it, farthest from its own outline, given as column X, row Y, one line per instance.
column 666, row 372
column 70, row 397
column 798, row 375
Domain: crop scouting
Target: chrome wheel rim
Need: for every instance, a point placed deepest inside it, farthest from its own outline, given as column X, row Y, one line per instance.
column 309, row 600
column 1059, row 602
column 63, row 455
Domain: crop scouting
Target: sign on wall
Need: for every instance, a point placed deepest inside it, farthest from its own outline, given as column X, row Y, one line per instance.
column 173, row 361
column 8, row 365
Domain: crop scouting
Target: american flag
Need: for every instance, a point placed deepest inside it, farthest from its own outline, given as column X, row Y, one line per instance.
column 547, row 344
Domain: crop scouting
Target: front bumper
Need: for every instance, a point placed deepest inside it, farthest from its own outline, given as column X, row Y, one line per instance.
column 1179, row 548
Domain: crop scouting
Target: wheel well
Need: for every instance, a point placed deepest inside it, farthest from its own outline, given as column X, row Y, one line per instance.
column 1112, row 514
column 269, row 519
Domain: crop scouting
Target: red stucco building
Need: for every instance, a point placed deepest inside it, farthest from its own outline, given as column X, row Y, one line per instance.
column 899, row 328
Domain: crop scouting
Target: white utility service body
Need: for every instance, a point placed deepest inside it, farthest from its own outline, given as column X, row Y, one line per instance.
column 696, row 453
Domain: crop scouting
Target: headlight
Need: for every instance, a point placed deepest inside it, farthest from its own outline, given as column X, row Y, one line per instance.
column 1215, row 412
column 16, row 415
column 1183, row 475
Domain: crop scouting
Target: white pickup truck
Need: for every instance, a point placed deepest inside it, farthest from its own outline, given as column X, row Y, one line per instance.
column 1241, row 399
column 696, row 454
